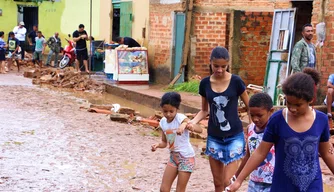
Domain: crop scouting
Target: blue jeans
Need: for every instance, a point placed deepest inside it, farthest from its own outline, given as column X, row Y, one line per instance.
column 49, row 58
column 226, row 150
column 258, row 187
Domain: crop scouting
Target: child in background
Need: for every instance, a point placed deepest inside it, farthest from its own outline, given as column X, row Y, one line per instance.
column 3, row 46
column 175, row 134
column 299, row 133
column 261, row 108
column 13, row 48
column 39, row 49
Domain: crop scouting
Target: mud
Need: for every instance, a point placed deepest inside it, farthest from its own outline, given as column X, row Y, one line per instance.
column 49, row 144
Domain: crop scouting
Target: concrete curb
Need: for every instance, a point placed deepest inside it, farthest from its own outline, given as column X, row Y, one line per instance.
column 143, row 99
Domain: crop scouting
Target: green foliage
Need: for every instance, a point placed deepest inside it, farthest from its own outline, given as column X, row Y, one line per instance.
column 191, row 87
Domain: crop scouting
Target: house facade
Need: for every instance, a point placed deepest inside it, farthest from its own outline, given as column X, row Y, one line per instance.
column 64, row 16
column 242, row 26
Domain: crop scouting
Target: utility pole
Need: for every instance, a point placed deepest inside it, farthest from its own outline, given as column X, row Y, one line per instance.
column 90, row 39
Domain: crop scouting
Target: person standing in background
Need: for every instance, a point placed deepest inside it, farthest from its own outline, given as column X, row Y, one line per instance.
column 54, row 44
column 31, row 37
column 304, row 53
column 20, row 34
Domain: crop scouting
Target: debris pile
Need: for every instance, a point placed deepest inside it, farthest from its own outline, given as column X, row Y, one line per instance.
column 130, row 116
column 66, row 78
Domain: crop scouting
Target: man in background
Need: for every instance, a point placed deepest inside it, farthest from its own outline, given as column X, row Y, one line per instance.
column 20, row 34
column 303, row 54
column 54, row 44
column 127, row 41
column 80, row 37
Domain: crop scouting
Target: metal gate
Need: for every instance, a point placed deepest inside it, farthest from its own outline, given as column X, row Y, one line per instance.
column 278, row 61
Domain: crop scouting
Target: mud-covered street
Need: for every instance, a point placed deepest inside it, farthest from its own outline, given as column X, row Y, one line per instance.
column 49, row 144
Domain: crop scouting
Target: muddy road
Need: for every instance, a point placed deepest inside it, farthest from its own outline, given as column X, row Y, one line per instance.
column 49, row 144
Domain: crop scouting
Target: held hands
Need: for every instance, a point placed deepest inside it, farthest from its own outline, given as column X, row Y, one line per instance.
column 180, row 131
column 154, row 147
column 190, row 126
column 83, row 36
column 234, row 186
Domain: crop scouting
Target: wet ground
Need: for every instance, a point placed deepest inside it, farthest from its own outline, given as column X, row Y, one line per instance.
column 49, row 144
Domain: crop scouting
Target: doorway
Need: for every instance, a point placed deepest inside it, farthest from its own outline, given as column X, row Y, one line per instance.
column 29, row 15
column 116, row 23
column 304, row 16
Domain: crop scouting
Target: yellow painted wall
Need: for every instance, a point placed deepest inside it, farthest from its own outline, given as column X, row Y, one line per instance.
column 141, row 14
column 63, row 17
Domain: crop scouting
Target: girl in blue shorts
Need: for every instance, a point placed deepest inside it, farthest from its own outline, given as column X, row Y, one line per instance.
column 299, row 134
column 220, row 93
column 182, row 156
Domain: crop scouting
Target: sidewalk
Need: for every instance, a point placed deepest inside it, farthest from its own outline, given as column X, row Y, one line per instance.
column 150, row 95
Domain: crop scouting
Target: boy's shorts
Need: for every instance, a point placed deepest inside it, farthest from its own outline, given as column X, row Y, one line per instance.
column 257, row 187
column 38, row 56
column 13, row 56
column 226, row 150
column 186, row 164
column 2, row 55
column 325, row 102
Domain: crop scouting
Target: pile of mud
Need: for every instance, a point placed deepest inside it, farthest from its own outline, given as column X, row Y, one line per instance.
column 66, row 78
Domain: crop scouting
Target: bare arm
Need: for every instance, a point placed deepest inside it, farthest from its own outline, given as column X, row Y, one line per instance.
column 202, row 113
column 244, row 161
column 326, row 152
column 253, row 162
column 330, row 85
column 245, row 98
column 76, row 39
column 29, row 41
column 182, row 126
column 162, row 144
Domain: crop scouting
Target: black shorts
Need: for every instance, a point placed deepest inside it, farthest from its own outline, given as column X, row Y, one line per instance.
column 82, row 55
column 2, row 55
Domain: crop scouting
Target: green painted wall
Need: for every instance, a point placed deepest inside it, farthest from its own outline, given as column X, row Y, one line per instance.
column 63, row 17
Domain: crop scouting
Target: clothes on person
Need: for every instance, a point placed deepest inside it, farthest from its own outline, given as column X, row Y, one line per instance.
column 297, row 165
column 32, row 35
column 186, row 164
column 80, row 44
column 2, row 50
column 303, row 55
column 331, row 80
column 177, row 143
column 226, row 150
column 39, row 47
column 130, row 42
column 40, row 42
column 54, row 44
column 224, row 119
column 12, row 44
column 20, row 33
column 264, row 173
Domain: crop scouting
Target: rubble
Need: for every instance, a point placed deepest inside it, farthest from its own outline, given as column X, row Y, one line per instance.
column 127, row 110
column 66, row 78
column 119, row 117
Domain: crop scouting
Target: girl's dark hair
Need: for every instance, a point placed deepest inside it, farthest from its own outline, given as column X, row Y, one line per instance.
column 2, row 33
column 219, row 53
column 262, row 100
column 171, row 98
column 302, row 84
